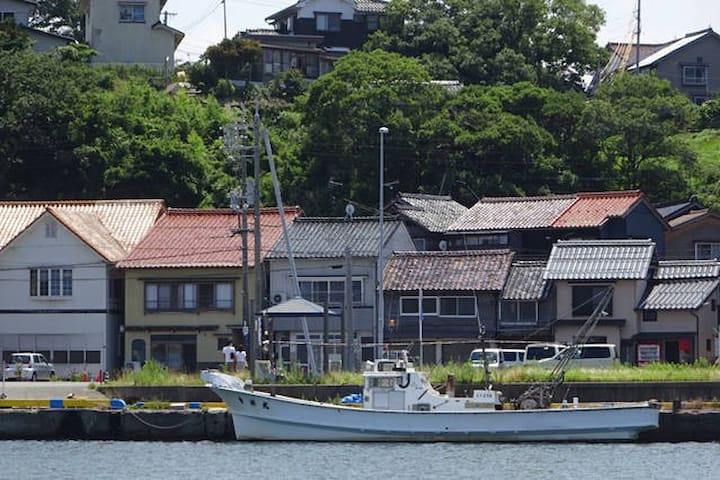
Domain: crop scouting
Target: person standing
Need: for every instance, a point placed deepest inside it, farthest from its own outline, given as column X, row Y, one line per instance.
column 228, row 352
column 241, row 358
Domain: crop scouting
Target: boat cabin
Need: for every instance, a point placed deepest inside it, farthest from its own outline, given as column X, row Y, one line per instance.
column 395, row 385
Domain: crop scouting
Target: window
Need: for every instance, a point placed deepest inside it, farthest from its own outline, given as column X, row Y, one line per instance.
column 331, row 291
column 457, row 306
column 60, row 356
column 175, row 297
column 586, row 297
column 50, row 282
column 327, row 22
column 694, row 75
column 51, row 230
column 132, row 13
column 372, row 22
column 649, row 315
column 77, row 356
column 707, row 250
column 411, row 306
column 519, row 312
column 92, row 356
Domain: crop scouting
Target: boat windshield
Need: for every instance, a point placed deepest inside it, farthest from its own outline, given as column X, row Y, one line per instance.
column 477, row 356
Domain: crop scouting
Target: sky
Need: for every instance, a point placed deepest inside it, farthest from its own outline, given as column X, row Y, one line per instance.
column 202, row 21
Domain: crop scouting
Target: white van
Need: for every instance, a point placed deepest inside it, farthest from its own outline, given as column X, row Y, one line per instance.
column 497, row 357
column 540, row 351
column 594, row 355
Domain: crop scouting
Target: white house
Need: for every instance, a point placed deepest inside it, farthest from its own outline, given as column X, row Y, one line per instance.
column 327, row 252
column 61, row 294
column 21, row 11
column 130, row 32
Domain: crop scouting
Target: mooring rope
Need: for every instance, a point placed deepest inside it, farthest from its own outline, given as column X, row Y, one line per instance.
column 159, row 427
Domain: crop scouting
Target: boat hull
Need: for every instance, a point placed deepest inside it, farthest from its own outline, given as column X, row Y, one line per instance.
column 262, row 416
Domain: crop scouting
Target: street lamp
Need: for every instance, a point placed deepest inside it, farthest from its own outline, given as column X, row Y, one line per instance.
column 381, row 301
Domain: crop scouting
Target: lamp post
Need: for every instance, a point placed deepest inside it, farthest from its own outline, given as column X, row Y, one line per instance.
column 381, row 301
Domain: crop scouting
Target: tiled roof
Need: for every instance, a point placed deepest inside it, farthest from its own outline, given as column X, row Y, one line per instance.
column 370, row 6
column 469, row 271
column 327, row 237
column 672, row 48
column 593, row 209
column 197, row 238
column 679, row 294
column 525, row 281
column 687, row 269
column 109, row 226
column 693, row 216
column 513, row 213
column 600, row 260
column 435, row 213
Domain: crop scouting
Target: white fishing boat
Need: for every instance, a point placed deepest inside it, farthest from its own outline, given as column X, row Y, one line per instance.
column 400, row 404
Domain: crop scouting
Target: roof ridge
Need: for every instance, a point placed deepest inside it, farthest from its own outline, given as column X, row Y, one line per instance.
column 454, row 253
column 566, row 196
column 613, row 193
column 425, row 196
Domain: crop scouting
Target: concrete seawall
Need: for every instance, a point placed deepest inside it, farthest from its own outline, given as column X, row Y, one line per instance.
column 216, row 425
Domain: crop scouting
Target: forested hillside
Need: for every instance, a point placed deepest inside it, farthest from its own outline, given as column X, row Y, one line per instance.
column 521, row 124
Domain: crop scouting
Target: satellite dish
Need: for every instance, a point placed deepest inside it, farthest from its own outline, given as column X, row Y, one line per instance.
column 349, row 211
column 443, row 245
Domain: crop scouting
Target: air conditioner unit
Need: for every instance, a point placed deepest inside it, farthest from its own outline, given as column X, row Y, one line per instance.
column 278, row 298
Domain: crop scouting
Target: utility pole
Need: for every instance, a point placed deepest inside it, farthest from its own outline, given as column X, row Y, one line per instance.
column 637, row 41
column 234, row 139
column 224, row 19
column 259, row 270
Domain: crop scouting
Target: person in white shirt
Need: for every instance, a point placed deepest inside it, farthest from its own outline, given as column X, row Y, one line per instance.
column 228, row 352
column 241, row 358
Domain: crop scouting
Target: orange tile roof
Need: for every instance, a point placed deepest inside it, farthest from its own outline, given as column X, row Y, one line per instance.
column 111, row 227
column 594, row 208
column 196, row 238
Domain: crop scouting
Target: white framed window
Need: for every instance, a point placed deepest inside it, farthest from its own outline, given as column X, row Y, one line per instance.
column 707, row 250
column 132, row 12
column 51, row 282
column 411, row 306
column 327, row 22
column 330, row 290
column 457, row 306
column 694, row 75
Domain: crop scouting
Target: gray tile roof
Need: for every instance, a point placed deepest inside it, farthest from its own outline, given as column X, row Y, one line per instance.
column 600, row 260
column 513, row 213
column 370, row 6
column 435, row 213
column 679, row 294
column 687, row 269
column 447, row 271
column 525, row 281
column 326, row 237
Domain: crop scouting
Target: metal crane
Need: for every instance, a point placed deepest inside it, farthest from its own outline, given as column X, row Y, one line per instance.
column 540, row 394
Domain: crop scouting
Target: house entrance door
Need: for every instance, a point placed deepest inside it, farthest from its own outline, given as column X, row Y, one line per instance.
column 672, row 351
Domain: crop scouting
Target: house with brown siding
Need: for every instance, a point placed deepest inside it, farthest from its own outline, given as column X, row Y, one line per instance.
column 184, row 285
column 446, row 298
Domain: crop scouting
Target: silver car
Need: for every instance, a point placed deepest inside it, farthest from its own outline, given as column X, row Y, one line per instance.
column 28, row 366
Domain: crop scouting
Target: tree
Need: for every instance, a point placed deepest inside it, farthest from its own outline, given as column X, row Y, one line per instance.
column 342, row 112
column 547, row 42
column 13, row 37
column 634, row 117
column 234, row 58
column 59, row 16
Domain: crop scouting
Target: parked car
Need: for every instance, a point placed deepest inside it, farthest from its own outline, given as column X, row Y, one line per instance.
column 595, row 355
column 539, row 351
column 496, row 357
column 28, row 366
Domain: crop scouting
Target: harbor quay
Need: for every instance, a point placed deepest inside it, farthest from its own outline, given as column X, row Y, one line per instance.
column 690, row 411
column 216, row 425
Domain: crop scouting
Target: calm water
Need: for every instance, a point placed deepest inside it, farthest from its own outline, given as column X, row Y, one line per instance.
column 25, row 460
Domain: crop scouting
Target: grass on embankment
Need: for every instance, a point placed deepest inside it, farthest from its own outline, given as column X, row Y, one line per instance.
column 154, row 374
